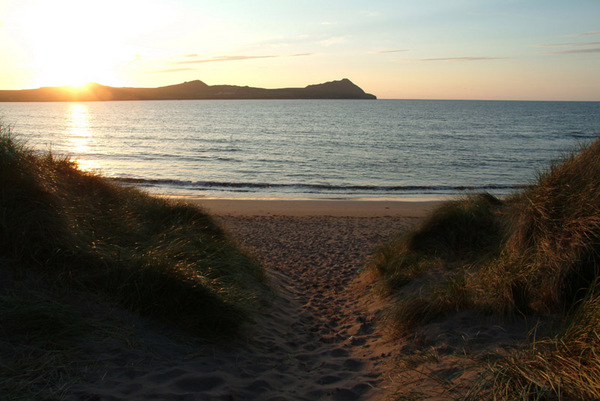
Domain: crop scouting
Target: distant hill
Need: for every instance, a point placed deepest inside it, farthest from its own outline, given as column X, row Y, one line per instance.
column 343, row 89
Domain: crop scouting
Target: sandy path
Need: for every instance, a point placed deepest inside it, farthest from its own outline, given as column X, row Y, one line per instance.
column 321, row 336
column 316, row 342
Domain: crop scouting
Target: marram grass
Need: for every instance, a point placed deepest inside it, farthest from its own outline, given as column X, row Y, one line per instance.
column 69, row 238
column 169, row 262
column 565, row 366
column 535, row 253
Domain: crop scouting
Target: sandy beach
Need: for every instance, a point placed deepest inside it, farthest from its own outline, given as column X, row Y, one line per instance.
column 318, row 340
column 312, row 207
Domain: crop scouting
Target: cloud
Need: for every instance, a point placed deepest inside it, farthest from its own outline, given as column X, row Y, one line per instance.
column 576, row 47
column 174, row 70
column 195, row 60
column 578, row 51
column 333, row 41
column 328, row 23
column 388, row 51
column 572, row 44
column 221, row 58
column 457, row 59
column 370, row 13
column 135, row 59
column 584, row 34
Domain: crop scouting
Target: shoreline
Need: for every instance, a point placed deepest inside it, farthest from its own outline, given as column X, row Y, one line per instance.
column 310, row 207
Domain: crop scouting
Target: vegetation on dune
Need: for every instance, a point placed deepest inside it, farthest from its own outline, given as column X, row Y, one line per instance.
column 536, row 253
column 66, row 234
column 440, row 254
column 565, row 366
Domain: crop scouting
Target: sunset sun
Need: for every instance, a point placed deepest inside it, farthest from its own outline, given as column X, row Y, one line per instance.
column 65, row 48
column 71, row 43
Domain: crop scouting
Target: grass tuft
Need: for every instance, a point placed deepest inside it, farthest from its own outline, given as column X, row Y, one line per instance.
column 439, row 256
column 459, row 230
column 566, row 366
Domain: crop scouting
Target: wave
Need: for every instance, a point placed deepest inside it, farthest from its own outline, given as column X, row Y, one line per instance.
column 584, row 135
column 310, row 188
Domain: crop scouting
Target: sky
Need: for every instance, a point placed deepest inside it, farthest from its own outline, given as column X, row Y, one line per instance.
column 398, row 49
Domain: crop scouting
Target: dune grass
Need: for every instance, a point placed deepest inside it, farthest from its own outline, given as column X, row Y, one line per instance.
column 564, row 366
column 536, row 253
column 170, row 262
column 440, row 255
column 67, row 235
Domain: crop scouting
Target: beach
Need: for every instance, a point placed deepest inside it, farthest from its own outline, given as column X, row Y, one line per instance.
column 320, row 338
column 317, row 340
column 312, row 207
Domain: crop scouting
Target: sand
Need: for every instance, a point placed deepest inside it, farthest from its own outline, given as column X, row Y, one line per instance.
column 313, row 208
column 319, row 340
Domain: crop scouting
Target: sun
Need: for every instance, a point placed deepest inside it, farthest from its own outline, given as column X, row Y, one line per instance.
column 65, row 46
column 71, row 73
column 74, row 42
column 74, row 72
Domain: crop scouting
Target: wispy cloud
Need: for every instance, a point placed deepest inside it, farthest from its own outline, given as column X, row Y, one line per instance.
column 174, row 70
column 572, row 44
column 336, row 40
column 578, row 51
column 370, row 13
column 323, row 23
column 575, row 47
column 185, row 62
column 459, row 59
column 220, row 59
column 388, row 51
column 194, row 60
column 134, row 59
column 584, row 34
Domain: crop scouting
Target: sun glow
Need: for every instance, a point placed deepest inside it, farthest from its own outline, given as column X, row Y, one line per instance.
column 79, row 133
column 72, row 43
column 81, row 136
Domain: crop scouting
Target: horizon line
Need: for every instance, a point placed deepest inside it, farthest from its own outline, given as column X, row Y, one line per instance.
column 82, row 87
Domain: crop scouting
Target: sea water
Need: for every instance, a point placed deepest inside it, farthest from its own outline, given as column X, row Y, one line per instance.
column 310, row 148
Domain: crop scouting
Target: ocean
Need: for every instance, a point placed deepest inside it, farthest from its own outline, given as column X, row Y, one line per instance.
column 321, row 149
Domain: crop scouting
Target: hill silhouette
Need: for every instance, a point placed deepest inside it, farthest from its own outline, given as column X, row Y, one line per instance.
column 343, row 89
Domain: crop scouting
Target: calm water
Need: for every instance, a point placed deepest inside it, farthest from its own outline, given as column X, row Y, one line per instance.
column 310, row 148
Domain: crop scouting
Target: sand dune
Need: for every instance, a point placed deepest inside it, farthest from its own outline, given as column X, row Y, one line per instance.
column 316, row 341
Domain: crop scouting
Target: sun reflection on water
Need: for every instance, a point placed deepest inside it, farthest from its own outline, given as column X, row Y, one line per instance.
column 80, row 136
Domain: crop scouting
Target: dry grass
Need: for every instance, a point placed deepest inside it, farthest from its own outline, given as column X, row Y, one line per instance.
column 69, row 239
column 563, row 367
column 439, row 257
column 171, row 262
column 535, row 254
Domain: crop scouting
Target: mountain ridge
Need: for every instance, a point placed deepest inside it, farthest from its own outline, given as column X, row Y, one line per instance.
column 342, row 89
